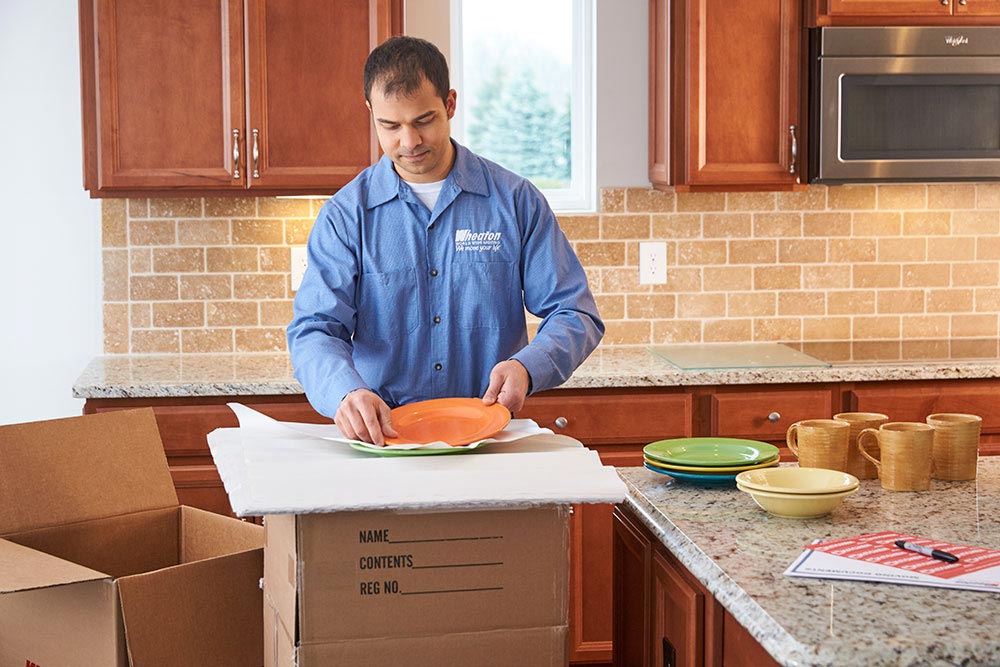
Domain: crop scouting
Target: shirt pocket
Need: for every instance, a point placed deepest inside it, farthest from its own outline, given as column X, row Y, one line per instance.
column 388, row 305
column 481, row 294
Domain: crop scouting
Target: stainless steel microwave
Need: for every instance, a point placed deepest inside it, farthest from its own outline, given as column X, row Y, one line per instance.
column 905, row 104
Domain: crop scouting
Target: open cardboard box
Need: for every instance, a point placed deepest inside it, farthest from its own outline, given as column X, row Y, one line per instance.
column 423, row 588
column 99, row 565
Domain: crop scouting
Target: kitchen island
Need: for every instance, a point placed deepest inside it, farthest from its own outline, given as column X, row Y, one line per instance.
column 720, row 545
column 619, row 400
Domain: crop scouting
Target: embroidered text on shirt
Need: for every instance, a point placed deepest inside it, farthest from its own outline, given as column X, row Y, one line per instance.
column 467, row 240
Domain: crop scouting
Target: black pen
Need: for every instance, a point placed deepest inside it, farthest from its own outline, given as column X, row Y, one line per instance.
column 927, row 551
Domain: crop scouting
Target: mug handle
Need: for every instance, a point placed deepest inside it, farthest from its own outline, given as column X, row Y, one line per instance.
column 865, row 434
column 792, row 439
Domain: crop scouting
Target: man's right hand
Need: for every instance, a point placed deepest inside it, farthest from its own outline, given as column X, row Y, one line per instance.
column 364, row 416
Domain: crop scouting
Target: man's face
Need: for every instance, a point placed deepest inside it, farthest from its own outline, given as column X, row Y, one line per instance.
column 414, row 131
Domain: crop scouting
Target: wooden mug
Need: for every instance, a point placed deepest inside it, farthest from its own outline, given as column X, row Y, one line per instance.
column 956, row 445
column 905, row 453
column 858, row 465
column 820, row 443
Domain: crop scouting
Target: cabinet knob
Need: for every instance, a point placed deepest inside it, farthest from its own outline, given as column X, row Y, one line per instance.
column 561, row 422
column 944, row 2
column 962, row 2
column 774, row 417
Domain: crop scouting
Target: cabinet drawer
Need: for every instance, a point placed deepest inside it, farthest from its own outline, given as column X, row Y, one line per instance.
column 184, row 428
column 914, row 402
column 614, row 419
column 766, row 415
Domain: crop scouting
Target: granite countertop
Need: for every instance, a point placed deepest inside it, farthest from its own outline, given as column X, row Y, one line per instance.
column 144, row 376
column 739, row 552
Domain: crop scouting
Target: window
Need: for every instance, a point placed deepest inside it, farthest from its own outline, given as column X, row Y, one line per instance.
column 524, row 74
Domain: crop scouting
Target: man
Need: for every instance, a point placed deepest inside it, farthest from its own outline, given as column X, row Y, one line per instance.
column 420, row 269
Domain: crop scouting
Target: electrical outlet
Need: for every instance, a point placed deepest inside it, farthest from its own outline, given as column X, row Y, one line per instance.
column 652, row 263
column 299, row 262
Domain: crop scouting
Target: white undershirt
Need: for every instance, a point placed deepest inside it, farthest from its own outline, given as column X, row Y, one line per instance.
column 427, row 192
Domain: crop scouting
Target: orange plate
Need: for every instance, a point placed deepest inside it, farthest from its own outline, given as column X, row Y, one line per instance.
column 456, row 421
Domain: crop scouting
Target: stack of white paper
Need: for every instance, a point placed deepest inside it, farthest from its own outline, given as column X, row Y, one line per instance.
column 271, row 467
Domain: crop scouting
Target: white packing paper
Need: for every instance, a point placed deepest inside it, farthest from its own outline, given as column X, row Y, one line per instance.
column 271, row 467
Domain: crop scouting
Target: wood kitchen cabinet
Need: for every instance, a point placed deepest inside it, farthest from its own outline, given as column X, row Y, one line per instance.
column 726, row 94
column 903, row 12
column 663, row 615
column 913, row 401
column 227, row 95
column 617, row 424
column 765, row 412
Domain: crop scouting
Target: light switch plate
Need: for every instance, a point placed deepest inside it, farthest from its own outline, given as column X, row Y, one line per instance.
column 299, row 262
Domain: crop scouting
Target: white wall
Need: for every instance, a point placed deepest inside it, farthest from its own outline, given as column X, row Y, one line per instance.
column 621, row 85
column 50, row 307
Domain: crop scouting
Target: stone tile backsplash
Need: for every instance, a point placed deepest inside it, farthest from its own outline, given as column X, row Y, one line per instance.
column 885, row 263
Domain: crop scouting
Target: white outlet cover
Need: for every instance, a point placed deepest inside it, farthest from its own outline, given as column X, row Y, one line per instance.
column 652, row 263
column 299, row 262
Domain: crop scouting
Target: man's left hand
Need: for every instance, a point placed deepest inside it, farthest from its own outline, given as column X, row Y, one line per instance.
column 509, row 383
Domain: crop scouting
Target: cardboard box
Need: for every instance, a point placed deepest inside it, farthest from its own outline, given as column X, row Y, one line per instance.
column 436, row 588
column 99, row 565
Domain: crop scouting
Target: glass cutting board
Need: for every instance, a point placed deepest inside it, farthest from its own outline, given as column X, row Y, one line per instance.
column 711, row 356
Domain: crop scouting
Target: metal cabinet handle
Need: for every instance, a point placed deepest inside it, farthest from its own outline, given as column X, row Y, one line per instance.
column 236, row 154
column 256, row 154
column 962, row 2
column 795, row 150
column 944, row 2
column 774, row 417
column 561, row 422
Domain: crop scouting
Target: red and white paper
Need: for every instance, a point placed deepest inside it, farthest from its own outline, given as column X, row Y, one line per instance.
column 875, row 557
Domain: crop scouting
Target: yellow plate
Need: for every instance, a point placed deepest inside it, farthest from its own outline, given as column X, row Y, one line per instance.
column 670, row 466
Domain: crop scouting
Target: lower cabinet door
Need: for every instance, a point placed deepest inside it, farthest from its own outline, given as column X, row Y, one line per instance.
column 200, row 486
column 631, row 553
column 677, row 617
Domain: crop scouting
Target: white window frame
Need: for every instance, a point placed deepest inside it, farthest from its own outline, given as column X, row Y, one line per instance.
column 579, row 197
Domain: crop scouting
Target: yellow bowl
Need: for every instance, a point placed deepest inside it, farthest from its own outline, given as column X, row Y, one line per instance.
column 797, row 505
column 797, row 480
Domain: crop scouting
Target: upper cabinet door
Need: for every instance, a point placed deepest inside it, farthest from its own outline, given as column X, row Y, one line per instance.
column 902, row 12
column 169, row 94
column 307, row 123
column 889, row 7
column 737, row 94
column 200, row 96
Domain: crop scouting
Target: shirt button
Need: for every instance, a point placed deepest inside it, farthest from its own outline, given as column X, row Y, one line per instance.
column 438, row 367
column 437, row 320
column 434, row 272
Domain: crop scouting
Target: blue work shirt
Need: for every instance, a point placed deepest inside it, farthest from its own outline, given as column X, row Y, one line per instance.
column 417, row 304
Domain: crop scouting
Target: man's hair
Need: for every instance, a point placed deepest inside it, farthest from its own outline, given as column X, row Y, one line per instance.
column 400, row 64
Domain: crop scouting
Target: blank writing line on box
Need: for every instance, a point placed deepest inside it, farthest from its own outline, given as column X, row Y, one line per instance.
column 447, row 539
column 454, row 590
column 430, row 567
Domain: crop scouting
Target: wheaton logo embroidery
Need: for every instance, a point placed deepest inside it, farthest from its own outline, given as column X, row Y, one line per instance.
column 467, row 240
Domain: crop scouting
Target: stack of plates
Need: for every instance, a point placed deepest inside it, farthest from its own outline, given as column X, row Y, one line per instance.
column 708, row 461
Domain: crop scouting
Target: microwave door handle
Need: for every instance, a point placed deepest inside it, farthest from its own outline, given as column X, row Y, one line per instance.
column 795, row 150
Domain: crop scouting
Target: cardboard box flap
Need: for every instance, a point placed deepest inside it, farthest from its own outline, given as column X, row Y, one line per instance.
column 23, row 569
column 67, row 470
column 204, row 613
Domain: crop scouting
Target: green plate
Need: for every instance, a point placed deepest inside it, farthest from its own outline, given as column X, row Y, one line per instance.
column 382, row 451
column 710, row 451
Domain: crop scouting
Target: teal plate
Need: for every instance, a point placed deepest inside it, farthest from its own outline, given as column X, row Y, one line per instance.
column 724, row 479
column 710, row 451
column 382, row 451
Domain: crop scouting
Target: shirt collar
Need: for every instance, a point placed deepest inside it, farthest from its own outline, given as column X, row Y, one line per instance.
column 467, row 174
